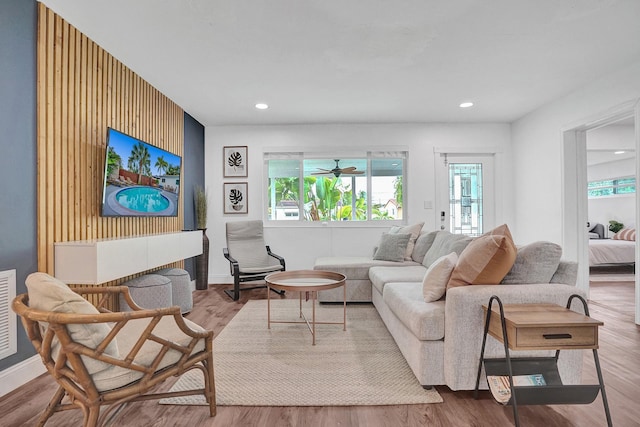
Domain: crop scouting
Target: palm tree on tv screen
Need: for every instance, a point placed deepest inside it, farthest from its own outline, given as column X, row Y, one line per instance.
column 161, row 165
column 140, row 161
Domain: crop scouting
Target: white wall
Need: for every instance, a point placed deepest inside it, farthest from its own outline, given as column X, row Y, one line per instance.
column 300, row 244
column 537, row 147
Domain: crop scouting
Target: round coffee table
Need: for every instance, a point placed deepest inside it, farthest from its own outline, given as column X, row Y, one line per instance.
column 308, row 282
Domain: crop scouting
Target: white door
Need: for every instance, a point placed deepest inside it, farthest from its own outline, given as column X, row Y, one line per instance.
column 465, row 193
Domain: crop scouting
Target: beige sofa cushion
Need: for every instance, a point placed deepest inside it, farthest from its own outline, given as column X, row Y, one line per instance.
column 423, row 243
column 424, row 319
column 443, row 244
column 380, row 276
column 355, row 268
column 535, row 263
column 46, row 293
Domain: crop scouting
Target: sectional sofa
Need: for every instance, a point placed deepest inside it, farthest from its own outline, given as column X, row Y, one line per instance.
column 441, row 339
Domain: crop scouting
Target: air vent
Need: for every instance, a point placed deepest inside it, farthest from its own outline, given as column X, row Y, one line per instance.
column 8, row 332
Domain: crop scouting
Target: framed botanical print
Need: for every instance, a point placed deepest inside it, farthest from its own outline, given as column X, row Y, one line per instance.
column 235, row 161
column 235, row 198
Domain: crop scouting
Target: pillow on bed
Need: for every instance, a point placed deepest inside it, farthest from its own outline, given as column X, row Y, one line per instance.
column 625, row 234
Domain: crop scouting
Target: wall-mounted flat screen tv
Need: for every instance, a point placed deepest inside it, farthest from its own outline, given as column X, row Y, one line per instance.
column 139, row 178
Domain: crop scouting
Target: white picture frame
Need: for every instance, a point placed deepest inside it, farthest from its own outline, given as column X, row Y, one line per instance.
column 235, row 161
column 235, row 197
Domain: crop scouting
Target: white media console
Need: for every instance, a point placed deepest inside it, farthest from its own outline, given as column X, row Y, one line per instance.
column 98, row 261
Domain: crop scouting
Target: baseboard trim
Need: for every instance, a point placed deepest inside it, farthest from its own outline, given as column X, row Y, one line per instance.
column 20, row 374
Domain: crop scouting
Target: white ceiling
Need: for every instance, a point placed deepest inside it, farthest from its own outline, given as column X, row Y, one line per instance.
column 362, row 61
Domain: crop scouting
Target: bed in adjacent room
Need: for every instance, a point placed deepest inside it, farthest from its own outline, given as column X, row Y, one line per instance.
column 621, row 249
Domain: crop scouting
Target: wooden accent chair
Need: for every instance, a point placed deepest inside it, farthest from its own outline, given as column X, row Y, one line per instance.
column 100, row 357
column 249, row 257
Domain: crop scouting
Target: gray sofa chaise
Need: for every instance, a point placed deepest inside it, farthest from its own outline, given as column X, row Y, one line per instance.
column 441, row 340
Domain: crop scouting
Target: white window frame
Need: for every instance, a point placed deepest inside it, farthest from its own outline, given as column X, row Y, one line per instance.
column 284, row 154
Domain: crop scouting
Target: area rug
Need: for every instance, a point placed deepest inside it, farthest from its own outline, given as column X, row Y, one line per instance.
column 255, row 366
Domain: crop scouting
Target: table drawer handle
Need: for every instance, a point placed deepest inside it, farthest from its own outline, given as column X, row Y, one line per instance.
column 556, row 336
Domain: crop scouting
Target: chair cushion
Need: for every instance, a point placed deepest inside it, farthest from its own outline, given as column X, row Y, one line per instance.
column 414, row 231
column 434, row 284
column 46, row 293
column 392, row 247
column 245, row 242
column 167, row 329
column 486, row 260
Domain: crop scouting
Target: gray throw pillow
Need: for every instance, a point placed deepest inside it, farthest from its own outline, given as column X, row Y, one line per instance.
column 535, row 263
column 392, row 247
column 423, row 243
column 414, row 231
column 443, row 244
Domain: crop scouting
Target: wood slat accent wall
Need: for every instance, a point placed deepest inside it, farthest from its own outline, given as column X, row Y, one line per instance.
column 81, row 91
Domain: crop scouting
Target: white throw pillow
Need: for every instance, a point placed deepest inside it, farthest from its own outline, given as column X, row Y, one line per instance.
column 434, row 284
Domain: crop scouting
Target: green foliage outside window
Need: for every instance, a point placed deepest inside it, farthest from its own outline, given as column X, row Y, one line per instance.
column 325, row 197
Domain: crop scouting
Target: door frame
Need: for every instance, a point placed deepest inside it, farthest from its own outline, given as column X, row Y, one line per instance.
column 574, row 184
column 498, row 176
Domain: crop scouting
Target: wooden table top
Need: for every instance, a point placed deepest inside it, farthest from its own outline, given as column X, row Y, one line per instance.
column 536, row 315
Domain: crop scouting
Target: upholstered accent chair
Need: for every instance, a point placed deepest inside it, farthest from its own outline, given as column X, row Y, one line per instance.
column 249, row 257
column 104, row 358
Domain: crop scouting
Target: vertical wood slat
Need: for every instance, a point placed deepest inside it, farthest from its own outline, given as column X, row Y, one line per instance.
column 82, row 90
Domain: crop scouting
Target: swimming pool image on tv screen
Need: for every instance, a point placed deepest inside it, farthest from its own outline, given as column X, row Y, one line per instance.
column 142, row 199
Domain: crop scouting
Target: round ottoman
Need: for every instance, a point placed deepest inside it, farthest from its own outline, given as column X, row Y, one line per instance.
column 180, row 287
column 148, row 291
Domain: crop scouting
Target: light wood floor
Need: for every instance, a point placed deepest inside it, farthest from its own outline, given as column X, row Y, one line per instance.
column 619, row 355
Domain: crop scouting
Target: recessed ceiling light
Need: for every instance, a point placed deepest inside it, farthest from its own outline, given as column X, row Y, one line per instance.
column 618, row 152
column 466, row 104
column 262, row 106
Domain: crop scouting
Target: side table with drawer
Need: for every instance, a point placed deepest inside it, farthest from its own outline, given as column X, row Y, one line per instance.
column 540, row 327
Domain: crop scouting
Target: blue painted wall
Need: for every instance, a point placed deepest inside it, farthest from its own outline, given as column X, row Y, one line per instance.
column 18, row 250
column 193, row 174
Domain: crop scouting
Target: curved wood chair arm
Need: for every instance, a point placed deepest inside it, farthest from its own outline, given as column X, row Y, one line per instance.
column 20, row 306
column 66, row 359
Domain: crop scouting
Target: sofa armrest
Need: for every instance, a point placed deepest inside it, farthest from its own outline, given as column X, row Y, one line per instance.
column 464, row 327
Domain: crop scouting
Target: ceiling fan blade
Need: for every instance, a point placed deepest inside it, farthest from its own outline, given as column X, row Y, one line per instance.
column 322, row 173
column 348, row 169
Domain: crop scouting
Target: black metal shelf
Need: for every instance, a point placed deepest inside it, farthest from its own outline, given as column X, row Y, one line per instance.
column 553, row 393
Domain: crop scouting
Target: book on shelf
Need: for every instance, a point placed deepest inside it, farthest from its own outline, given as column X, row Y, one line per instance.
column 501, row 389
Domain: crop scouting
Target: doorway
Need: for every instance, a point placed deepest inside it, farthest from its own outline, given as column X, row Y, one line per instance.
column 575, row 197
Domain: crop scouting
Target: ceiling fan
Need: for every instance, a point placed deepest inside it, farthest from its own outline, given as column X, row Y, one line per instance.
column 337, row 171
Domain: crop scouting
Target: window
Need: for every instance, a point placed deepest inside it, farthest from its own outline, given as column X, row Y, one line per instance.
column 610, row 187
column 305, row 187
